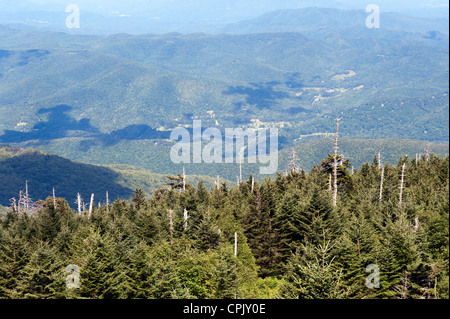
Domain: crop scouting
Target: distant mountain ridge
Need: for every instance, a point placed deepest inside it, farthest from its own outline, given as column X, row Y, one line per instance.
column 316, row 18
column 163, row 16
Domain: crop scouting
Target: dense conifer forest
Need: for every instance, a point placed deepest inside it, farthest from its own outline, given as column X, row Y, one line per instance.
column 279, row 238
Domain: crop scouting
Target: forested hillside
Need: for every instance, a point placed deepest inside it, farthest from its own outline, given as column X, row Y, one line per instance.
column 155, row 154
column 292, row 242
column 43, row 172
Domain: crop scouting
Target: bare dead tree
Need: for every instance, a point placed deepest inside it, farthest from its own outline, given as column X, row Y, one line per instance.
column 91, row 204
column 184, row 179
column 381, row 183
column 27, row 199
column 13, row 204
column 107, row 202
column 185, row 219
column 54, row 198
column 404, row 287
column 427, row 151
column 21, row 202
column 335, row 162
column 78, row 202
column 402, row 186
column 379, row 159
column 23, row 205
column 171, row 225
column 235, row 244
column 218, row 182
column 253, row 183
column 293, row 167
column 416, row 223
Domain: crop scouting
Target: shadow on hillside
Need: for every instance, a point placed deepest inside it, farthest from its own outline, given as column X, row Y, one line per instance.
column 261, row 95
column 60, row 124
column 294, row 81
column 133, row 132
column 43, row 172
column 21, row 58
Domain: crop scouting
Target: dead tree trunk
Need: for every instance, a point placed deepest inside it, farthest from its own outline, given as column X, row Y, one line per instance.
column 171, row 225
column 400, row 201
column 14, row 205
column 427, row 152
column 379, row 159
column 235, row 244
column 20, row 203
column 27, row 199
column 335, row 163
column 253, row 183
column 185, row 219
column 79, row 203
column 107, row 202
column 184, row 179
column 218, row 182
column 293, row 163
column 91, row 206
column 381, row 183
column 54, row 198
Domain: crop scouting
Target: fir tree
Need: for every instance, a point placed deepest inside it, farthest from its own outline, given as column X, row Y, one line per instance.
column 312, row 274
column 14, row 256
column 138, row 199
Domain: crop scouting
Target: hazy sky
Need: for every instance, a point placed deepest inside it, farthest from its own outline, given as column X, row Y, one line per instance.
column 137, row 6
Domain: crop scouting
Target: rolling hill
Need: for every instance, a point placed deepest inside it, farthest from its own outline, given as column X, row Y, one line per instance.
column 44, row 171
column 167, row 80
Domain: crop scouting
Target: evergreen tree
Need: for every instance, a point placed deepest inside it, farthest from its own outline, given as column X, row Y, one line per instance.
column 262, row 231
column 145, row 226
column 42, row 277
column 312, row 274
column 14, row 256
column 103, row 270
column 206, row 234
column 138, row 199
